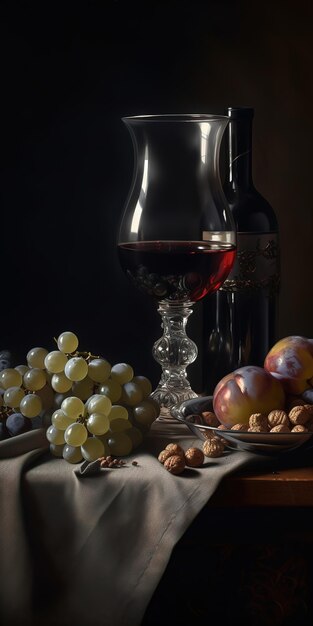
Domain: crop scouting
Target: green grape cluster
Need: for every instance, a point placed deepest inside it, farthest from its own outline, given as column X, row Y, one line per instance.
column 90, row 408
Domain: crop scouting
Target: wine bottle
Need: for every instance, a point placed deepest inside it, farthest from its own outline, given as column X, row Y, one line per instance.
column 240, row 320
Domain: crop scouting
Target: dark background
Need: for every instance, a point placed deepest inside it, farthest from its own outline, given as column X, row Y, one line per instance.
column 69, row 72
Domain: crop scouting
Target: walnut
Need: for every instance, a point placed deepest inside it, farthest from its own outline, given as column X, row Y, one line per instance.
column 257, row 429
column 213, row 447
column 239, row 427
column 299, row 428
column 277, row 416
column 175, row 448
column 175, row 464
column 258, row 419
column 210, row 418
column 212, row 434
column 164, row 454
column 299, row 415
column 194, row 457
column 209, row 434
column 280, row 428
column 222, row 427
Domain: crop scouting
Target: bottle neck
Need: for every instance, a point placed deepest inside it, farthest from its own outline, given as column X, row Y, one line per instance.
column 240, row 153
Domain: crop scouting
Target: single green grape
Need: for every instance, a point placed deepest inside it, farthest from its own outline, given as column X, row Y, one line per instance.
column 122, row 373
column 76, row 434
column 99, row 370
column 55, row 361
column 13, row 396
column 34, row 379
column 36, row 357
column 72, row 454
column 146, row 412
column 22, row 369
column 60, row 383
column 98, row 424
column 92, row 449
column 118, row 411
column 144, row 383
column 132, row 394
column 54, row 435
column 76, row 368
column 67, row 342
column 73, row 407
column 31, row 405
column 60, row 420
column 118, row 425
column 10, row 377
column 98, row 403
column 56, row 450
column 112, row 389
column 120, row 444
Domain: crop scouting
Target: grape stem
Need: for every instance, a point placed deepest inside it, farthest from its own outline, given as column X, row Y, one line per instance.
column 88, row 356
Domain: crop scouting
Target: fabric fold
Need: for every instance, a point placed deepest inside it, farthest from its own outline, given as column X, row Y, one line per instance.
column 93, row 551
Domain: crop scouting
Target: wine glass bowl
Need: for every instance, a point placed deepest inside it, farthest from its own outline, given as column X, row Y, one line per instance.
column 177, row 238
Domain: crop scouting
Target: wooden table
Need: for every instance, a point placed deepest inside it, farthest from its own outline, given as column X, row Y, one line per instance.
column 279, row 488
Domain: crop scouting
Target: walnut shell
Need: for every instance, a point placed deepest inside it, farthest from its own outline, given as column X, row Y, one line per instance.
column 259, row 419
column 164, row 454
column 239, row 427
column 194, row 457
column 277, row 416
column 299, row 415
column 213, row 447
column 280, row 428
column 299, row 428
column 175, row 464
column 257, row 429
column 210, row 418
column 175, row 448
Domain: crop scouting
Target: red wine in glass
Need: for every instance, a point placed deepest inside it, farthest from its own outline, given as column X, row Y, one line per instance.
column 177, row 271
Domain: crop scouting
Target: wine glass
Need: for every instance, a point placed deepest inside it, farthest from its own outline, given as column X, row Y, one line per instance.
column 177, row 238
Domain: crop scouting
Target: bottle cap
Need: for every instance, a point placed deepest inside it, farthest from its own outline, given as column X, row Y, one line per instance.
column 240, row 112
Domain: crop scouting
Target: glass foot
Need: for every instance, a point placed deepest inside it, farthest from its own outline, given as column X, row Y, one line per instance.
column 167, row 397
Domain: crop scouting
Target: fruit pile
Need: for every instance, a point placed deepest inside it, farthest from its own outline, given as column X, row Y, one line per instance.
column 90, row 408
column 286, row 380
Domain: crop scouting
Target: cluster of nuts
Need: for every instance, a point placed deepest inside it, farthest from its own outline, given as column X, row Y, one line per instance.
column 111, row 461
column 175, row 459
column 299, row 419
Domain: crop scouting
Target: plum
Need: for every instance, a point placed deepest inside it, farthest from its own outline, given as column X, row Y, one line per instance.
column 249, row 389
column 290, row 360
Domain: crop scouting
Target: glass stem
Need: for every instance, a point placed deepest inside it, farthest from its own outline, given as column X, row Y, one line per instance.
column 174, row 351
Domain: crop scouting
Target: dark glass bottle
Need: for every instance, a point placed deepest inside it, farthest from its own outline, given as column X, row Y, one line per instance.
column 240, row 320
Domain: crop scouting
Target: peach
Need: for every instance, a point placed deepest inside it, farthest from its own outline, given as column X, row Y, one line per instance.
column 290, row 361
column 247, row 390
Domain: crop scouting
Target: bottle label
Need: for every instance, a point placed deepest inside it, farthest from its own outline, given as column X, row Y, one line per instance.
column 257, row 264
